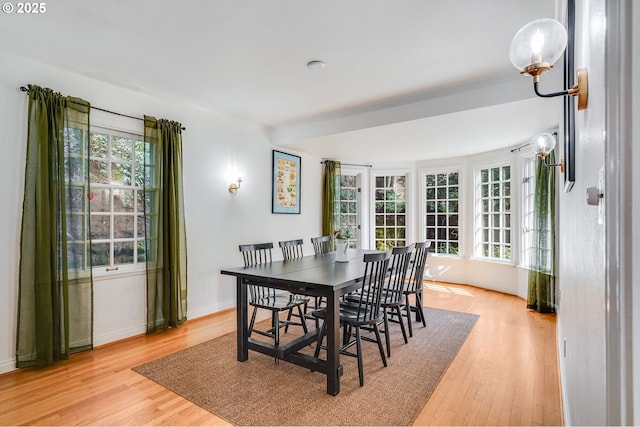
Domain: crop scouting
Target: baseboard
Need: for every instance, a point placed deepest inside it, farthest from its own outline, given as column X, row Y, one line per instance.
column 118, row 335
column 8, row 366
column 210, row 309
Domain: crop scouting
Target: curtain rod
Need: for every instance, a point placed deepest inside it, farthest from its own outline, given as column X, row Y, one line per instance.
column 513, row 150
column 348, row 164
column 25, row 89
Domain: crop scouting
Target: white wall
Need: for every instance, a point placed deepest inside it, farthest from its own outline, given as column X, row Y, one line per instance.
column 216, row 222
column 581, row 319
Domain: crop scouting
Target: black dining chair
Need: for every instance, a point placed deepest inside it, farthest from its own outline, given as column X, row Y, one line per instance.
column 392, row 294
column 365, row 312
column 292, row 249
column 414, row 285
column 321, row 244
column 261, row 297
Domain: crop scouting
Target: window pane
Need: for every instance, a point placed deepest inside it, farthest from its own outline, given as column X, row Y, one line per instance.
column 98, row 172
column 75, row 227
column 101, row 200
column 123, row 226
column 123, row 200
column 122, row 148
column 121, row 173
column 75, row 199
column 100, row 254
column 98, row 145
column 123, row 253
column 100, row 227
column 76, row 255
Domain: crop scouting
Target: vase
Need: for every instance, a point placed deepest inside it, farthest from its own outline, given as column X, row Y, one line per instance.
column 341, row 250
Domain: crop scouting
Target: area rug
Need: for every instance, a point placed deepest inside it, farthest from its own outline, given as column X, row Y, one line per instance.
column 260, row 392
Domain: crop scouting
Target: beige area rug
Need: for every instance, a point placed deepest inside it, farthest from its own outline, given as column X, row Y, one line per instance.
column 259, row 392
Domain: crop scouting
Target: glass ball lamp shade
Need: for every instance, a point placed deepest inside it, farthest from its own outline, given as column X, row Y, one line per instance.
column 537, row 46
column 542, row 144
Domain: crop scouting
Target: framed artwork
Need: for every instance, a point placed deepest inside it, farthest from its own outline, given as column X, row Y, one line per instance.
column 285, row 198
column 569, row 103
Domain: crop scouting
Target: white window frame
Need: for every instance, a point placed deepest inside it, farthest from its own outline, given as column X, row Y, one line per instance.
column 356, row 231
column 423, row 208
column 408, row 205
column 528, row 194
column 478, row 227
column 117, row 269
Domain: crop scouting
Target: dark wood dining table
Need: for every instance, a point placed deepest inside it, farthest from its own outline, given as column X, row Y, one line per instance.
column 313, row 275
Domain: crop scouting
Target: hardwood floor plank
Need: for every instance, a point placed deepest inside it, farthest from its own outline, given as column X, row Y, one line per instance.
column 506, row 373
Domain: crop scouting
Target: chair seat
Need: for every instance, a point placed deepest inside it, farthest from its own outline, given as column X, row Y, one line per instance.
column 280, row 302
column 349, row 314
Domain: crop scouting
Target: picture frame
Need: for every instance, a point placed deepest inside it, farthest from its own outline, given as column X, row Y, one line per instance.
column 569, row 134
column 285, row 184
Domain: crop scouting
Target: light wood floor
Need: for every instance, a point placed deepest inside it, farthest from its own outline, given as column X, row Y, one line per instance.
column 505, row 374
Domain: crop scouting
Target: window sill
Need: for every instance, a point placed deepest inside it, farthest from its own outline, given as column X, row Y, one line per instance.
column 100, row 274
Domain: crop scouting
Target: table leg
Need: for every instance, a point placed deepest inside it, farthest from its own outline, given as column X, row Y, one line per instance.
column 333, row 344
column 241, row 321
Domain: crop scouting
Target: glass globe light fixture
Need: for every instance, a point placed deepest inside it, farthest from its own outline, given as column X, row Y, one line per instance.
column 542, row 144
column 537, row 46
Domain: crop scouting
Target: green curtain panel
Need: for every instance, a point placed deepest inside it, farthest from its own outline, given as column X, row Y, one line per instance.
column 543, row 258
column 165, row 236
column 55, row 301
column 330, row 192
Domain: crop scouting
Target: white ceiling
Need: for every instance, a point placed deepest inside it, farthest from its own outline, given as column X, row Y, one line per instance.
column 404, row 79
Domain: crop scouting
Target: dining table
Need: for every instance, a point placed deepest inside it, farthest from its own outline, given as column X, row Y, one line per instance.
column 312, row 275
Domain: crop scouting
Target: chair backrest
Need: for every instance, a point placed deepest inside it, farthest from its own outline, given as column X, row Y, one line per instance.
column 291, row 249
column 398, row 266
column 417, row 269
column 375, row 273
column 321, row 245
column 256, row 253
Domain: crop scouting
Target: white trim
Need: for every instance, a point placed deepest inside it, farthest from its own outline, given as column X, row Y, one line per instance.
column 621, row 197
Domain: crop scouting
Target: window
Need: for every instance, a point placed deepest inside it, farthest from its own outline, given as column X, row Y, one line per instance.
column 493, row 212
column 116, row 173
column 390, row 211
column 75, row 173
column 348, row 216
column 528, row 192
column 442, row 207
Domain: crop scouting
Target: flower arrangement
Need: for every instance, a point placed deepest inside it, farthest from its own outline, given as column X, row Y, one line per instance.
column 342, row 234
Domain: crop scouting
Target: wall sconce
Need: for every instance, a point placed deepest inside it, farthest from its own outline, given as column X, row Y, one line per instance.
column 542, row 144
column 233, row 187
column 536, row 47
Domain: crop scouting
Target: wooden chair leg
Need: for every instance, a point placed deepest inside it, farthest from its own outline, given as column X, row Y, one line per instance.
column 253, row 320
column 359, row 355
column 302, row 320
column 320, row 336
column 387, row 337
column 286, row 327
column 275, row 320
column 407, row 307
column 404, row 332
column 419, row 308
column 379, row 340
